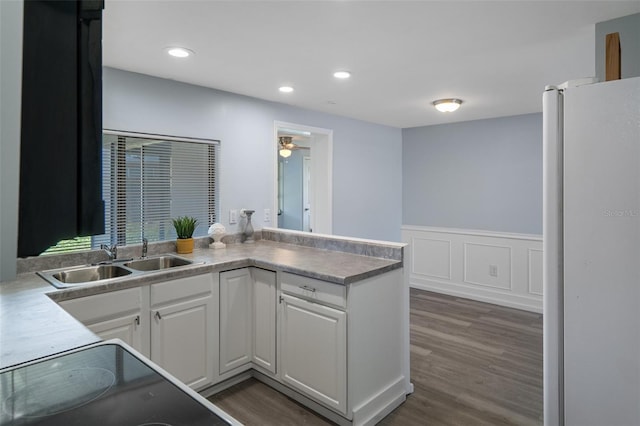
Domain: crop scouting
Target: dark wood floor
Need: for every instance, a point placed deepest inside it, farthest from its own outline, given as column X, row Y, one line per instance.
column 472, row 363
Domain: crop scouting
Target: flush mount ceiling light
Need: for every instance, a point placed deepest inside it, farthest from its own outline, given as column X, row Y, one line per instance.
column 284, row 153
column 447, row 105
column 342, row 74
column 286, row 89
column 179, row 52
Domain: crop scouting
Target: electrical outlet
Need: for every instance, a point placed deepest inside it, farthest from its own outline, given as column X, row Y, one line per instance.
column 267, row 215
column 233, row 217
column 493, row 270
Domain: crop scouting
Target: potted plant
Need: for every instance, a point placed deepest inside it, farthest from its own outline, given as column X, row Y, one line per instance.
column 185, row 225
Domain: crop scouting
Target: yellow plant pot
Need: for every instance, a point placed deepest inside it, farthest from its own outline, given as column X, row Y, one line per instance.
column 184, row 246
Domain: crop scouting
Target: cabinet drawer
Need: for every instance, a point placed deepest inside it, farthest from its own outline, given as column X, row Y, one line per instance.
column 182, row 288
column 106, row 305
column 314, row 290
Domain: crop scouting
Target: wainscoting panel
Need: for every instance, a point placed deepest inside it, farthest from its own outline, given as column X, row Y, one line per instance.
column 500, row 268
column 435, row 258
column 535, row 272
column 487, row 265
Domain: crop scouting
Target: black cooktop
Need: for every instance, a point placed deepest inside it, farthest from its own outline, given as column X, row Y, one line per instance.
column 100, row 385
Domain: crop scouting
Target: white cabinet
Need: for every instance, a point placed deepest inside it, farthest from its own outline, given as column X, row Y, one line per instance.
column 264, row 319
column 343, row 345
column 174, row 323
column 117, row 314
column 183, row 340
column 314, row 350
column 247, row 320
column 235, row 319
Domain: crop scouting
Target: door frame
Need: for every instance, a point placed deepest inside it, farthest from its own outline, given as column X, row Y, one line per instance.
column 321, row 175
column 306, row 190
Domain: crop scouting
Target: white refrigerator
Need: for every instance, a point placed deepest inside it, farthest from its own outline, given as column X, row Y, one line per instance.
column 591, row 245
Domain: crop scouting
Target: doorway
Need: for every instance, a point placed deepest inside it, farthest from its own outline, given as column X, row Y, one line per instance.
column 303, row 187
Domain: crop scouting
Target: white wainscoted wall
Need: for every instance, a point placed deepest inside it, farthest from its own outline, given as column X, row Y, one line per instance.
column 494, row 267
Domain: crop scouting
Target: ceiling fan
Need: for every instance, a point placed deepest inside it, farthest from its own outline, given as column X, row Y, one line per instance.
column 286, row 146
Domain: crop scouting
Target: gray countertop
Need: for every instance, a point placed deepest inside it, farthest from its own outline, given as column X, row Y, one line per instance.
column 32, row 325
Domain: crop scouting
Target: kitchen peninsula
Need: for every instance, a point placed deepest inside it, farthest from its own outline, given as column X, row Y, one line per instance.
column 322, row 319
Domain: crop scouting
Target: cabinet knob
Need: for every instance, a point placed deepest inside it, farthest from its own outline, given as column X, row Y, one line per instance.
column 158, row 316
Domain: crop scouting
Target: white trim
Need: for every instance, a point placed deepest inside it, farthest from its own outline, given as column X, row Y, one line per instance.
column 478, row 232
column 329, row 202
column 161, row 137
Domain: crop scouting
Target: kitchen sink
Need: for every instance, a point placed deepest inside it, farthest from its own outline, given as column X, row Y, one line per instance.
column 74, row 276
column 84, row 274
column 157, row 263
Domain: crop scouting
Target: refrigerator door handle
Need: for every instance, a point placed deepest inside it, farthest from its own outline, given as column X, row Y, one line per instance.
column 553, row 336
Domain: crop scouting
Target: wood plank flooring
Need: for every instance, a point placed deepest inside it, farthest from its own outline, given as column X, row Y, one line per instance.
column 472, row 363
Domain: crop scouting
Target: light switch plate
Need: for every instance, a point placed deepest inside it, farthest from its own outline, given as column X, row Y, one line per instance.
column 233, row 217
column 267, row 215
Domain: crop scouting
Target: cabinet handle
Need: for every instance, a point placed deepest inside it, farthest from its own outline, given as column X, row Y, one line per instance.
column 281, row 299
column 137, row 320
column 158, row 316
column 311, row 289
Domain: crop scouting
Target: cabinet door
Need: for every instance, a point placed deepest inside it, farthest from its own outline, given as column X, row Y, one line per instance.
column 236, row 319
column 264, row 319
column 313, row 352
column 182, row 340
column 126, row 328
column 116, row 314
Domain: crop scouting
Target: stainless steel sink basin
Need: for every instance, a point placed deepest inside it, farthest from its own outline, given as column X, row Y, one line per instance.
column 157, row 263
column 90, row 274
column 84, row 274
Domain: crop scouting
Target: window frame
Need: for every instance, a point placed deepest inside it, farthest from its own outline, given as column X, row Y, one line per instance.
column 115, row 220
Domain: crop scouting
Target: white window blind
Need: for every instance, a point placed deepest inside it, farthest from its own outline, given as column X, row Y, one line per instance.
column 148, row 180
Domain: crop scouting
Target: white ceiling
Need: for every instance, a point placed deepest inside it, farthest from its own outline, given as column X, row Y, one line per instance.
column 496, row 56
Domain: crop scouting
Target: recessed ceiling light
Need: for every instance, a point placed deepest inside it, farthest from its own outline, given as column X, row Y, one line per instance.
column 342, row 74
column 447, row 105
column 286, row 89
column 179, row 52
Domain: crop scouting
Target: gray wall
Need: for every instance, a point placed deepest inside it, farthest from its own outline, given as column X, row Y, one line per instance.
column 629, row 29
column 484, row 175
column 10, row 101
column 367, row 158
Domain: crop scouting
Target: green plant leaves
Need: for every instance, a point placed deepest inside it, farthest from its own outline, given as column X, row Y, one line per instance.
column 185, row 225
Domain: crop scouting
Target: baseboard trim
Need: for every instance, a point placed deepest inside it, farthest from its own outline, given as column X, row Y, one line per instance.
column 525, row 305
column 369, row 412
column 307, row 402
column 219, row 387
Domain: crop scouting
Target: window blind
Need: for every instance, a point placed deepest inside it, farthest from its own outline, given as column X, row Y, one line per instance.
column 148, row 180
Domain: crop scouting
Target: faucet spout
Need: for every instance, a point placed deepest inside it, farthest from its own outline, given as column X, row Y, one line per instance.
column 145, row 247
column 112, row 251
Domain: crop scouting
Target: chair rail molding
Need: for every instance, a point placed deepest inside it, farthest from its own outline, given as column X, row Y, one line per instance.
column 494, row 267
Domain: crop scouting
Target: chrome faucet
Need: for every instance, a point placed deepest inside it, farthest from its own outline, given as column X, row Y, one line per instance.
column 112, row 251
column 145, row 247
